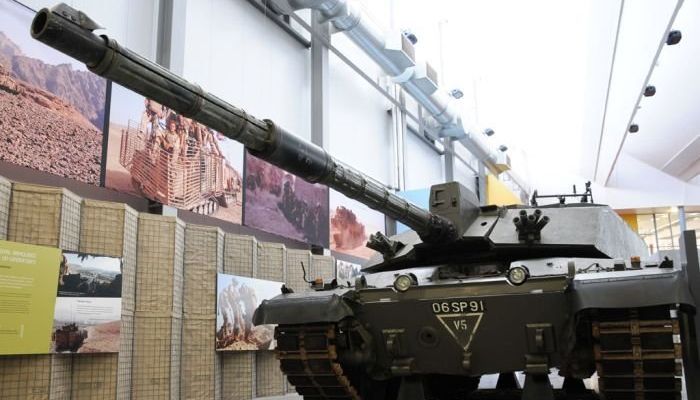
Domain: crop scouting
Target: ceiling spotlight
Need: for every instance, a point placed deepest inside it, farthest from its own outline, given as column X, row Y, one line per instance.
column 410, row 36
column 489, row 132
column 456, row 93
column 634, row 128
column 503, row 148
column 649, row 91
column 673, row 38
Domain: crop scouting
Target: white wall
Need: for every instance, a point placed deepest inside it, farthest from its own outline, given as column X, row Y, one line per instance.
column 360, row 125
column 423, row 166
column 133, row 23
column 235, row 52
column 635, row 184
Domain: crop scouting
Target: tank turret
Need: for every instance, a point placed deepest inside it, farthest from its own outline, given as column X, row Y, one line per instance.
column 469, row 291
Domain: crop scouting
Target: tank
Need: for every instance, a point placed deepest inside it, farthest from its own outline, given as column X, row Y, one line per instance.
column 69, row 338
column 469, row 291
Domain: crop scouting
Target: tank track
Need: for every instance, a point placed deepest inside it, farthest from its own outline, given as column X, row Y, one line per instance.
column 638, row 353
column 309, row 359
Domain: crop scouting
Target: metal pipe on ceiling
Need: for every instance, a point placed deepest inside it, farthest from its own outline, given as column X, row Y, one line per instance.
column 397, row 62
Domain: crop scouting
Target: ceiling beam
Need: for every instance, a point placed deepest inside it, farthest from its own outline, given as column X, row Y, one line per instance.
column 607, row 171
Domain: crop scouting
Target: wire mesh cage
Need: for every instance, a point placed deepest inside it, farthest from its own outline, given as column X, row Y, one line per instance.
column 181, row 173
column 5, row 190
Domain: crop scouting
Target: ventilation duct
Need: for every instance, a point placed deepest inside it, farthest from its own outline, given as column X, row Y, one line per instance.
column 396, row 56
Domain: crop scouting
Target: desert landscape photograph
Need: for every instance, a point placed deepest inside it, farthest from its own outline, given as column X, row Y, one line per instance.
column 157, row 153
column 351, row 223
column 279, row 202
column 87, row 275
column 86, row 325
column 52, row 109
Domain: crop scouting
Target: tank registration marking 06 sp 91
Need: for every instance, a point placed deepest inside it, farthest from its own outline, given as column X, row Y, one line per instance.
column 461, row 318
column 461, row 306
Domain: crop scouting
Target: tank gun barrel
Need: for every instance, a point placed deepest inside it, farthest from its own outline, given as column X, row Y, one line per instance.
column 70, row 32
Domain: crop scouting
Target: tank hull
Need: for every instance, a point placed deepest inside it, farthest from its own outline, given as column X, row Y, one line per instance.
column 456, row 328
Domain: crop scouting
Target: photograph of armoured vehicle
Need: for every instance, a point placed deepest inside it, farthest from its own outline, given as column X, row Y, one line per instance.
column 199, row 181
column 155, row 152
column 471, row 290
column 69, row 338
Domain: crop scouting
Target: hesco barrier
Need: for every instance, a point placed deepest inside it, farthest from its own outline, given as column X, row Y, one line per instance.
column 269, row 379
column 204, row 258
column 5, row 190
column 109, row 229
column 50, row 217
column 168, row 302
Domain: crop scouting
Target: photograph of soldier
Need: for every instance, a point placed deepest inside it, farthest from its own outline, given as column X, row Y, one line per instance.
column 347, row 271
column 51, row 107
column 282, row 203
column 87, row 315
column 159, row 154
column 236, row 301
column 351, row 223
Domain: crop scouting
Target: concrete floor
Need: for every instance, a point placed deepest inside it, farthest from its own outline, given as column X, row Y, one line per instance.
column 488, row 382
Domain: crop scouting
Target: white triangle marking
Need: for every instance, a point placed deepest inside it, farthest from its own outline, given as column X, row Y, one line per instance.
column 452, row 329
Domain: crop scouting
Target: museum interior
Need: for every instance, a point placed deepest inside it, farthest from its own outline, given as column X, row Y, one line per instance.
column 349, row 200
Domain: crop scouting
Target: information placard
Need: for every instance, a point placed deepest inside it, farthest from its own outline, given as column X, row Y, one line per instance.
column 28, row 276
column 88, row 306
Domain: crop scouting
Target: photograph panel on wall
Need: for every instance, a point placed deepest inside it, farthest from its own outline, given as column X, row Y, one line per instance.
column 351, row 223
column 281, row 203
column 157, row 153
column 87, row 317
column 346, row 271
column 52, row 108
column 237, row 298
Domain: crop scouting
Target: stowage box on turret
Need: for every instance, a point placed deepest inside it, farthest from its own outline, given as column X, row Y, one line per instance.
column 469, row 291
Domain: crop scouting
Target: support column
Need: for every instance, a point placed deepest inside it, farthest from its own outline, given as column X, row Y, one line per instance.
column 681, row 220
column 170, row 43
column 656, row 232
column 319, row 83
column 170, row 53
column 448, row 163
